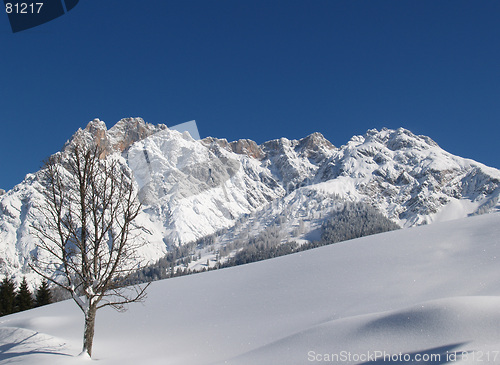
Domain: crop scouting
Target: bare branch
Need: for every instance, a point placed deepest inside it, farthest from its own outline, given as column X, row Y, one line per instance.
column 90, row 205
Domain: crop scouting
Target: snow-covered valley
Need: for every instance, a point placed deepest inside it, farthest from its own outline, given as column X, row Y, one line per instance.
column 429, row 292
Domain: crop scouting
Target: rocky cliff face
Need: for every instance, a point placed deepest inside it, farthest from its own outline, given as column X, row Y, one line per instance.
column 118, row 138
column 190, row 189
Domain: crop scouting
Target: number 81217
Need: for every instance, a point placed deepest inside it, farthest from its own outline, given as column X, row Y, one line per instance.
column 23, row 8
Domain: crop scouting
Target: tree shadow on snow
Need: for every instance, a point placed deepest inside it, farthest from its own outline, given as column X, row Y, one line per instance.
column 24, row 344
column 435, row 356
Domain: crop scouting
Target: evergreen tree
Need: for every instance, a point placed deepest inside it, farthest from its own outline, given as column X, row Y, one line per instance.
column 7, row 296
column 355, row 220
column 43, row 294
column 24, row 298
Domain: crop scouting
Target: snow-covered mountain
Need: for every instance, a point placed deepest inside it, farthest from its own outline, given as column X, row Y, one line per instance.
column 191, row 188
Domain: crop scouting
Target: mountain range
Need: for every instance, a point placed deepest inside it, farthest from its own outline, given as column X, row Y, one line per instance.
column 191, row 189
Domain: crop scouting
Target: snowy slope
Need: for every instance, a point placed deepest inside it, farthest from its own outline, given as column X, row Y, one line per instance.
column 190, row 189
column 421, row 291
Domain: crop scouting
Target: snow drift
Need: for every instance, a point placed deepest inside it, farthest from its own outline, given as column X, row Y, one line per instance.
column 430, row 292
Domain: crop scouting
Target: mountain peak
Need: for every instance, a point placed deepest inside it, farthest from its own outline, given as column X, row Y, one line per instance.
column 130, row 130
column 94, row 132
column 95, row 126
column 247, row 147
column 116, row 139
column 395, row 139
column 403, row 138
column 315, row 141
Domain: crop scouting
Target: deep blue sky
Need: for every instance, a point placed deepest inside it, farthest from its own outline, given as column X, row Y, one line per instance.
column 254, row 69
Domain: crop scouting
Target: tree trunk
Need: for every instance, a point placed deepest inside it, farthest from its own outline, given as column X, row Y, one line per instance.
column 88, row 333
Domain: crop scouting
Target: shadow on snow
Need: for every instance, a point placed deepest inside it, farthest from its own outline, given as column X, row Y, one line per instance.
column 24, row 344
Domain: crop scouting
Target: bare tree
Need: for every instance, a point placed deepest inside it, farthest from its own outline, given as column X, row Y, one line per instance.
column 85, row 243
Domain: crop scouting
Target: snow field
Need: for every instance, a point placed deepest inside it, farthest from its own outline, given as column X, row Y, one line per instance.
column 430, row 290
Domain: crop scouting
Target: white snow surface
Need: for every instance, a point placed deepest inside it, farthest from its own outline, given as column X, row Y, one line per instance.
column 426, row 291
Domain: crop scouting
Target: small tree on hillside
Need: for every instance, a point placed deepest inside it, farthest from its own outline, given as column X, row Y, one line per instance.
column 7, row 296
column 24, row 298
column 43, row 295
column 90, row 204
